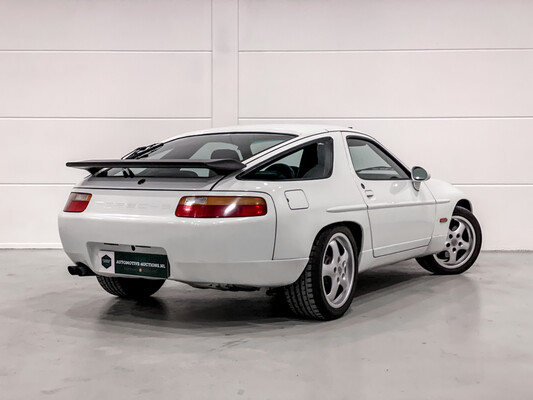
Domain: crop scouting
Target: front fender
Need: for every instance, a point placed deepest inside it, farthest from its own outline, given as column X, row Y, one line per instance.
column 447, row 196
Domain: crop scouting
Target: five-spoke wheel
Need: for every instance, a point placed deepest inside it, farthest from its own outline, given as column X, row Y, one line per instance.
column 461, row 247
column 338, row 270
column 326, row 287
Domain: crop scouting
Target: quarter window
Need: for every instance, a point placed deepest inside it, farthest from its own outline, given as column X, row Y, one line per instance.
column 312, row 161
column 372, row 163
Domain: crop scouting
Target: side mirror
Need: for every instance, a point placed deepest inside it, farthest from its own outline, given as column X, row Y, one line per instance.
column 418, row 174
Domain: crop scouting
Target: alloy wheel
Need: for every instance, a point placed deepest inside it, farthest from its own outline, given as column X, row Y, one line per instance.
column 459, row 245
column 338, row 270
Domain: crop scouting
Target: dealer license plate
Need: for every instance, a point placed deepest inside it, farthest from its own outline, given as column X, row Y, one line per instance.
column 119, row 262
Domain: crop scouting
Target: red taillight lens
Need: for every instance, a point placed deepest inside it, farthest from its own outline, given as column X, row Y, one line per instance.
column 220, row 207
column 77, row 202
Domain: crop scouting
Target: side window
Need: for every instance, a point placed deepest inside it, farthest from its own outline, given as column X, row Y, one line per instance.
column 313, row 161
column 372, row 163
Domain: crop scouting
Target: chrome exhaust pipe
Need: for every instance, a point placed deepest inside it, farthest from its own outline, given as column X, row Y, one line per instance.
column 80, row 270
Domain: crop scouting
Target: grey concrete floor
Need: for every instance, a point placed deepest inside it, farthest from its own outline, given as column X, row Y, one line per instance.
column 408, row 335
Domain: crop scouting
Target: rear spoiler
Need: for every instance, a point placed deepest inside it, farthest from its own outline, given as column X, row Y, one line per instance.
column 222, row 166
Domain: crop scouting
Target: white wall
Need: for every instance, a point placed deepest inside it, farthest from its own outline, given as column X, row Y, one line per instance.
column 447, row 85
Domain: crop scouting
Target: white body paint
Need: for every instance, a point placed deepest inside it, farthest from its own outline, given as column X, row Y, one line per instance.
column 396, row 221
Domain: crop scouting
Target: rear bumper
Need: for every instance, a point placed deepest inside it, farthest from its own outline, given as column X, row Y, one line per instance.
column 272, row 273
column 265, row 273
column 235, row 251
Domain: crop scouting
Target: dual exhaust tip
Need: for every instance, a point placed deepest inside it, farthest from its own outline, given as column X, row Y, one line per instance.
column 80, row 270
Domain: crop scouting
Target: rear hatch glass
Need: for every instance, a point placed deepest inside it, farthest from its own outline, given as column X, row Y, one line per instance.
column 234, row 146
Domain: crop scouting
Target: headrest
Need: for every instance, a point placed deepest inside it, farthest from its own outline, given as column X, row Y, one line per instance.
column 225, row 153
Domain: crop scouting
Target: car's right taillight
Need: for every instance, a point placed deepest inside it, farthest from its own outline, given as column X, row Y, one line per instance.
column 77, row 202
column 221, row 207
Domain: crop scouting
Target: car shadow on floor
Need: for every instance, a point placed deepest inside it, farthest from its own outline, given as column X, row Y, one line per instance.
column 179, row 308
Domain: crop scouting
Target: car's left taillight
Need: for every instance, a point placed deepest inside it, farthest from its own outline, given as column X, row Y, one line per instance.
column 77, row 202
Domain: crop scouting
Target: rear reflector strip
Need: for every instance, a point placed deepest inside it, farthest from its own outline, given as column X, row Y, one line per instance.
column 77, row 202
column 221, row 207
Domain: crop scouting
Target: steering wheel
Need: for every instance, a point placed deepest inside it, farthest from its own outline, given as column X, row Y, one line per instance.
column 283, row 171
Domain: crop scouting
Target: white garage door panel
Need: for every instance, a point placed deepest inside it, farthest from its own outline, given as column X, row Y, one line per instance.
column 384, row 24
column 460, row 151
column 105, row 25
column 390, row 84
column 505, row 213
column 29, row 215
column 41, row 147
column 55, row 84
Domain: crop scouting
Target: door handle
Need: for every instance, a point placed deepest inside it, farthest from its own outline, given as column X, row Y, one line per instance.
column 369, row 193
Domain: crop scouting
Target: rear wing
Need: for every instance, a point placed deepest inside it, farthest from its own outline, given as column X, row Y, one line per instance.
column 222, row 166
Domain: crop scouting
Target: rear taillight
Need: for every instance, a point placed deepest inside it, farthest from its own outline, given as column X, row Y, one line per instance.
column 220, row 207
column 77, row 202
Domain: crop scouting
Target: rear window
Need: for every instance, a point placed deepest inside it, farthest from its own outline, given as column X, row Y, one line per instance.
column 236, row 146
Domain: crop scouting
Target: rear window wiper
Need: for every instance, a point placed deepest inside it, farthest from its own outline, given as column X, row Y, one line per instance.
column 142, row 151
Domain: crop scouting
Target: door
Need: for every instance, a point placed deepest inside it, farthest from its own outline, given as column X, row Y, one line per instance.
column 401, row 217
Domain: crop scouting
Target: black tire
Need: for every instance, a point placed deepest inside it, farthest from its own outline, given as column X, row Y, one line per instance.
column 130, row 288
column 307, row 296
column 432, row 265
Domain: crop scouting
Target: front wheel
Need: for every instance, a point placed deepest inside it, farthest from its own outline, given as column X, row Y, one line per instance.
column 462, row 246
column 130, row 288
column 327, row 285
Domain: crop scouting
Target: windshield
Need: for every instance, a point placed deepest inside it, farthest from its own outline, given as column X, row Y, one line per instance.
column 235, row 146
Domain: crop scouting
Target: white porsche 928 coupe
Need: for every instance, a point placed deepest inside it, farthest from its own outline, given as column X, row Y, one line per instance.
column 298, row 208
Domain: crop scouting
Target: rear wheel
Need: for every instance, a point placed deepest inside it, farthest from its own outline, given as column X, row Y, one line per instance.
column 130, row 288
column 327, row 285
column 462, row 246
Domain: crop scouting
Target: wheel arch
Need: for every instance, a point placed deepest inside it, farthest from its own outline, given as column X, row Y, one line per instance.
column 355, row 229
column 465, row 204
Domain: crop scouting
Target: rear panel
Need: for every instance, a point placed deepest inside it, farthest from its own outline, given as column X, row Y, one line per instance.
column 144, row 221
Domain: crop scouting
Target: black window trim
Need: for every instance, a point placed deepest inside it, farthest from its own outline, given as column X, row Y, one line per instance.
column 386, row 152
column 242, row 175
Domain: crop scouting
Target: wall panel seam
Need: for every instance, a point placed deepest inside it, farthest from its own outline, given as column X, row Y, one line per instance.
column 212, row 64
column 484, row 49
column 111, row 51
column 106, row 118
column 238, row 61
column 389, row 118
